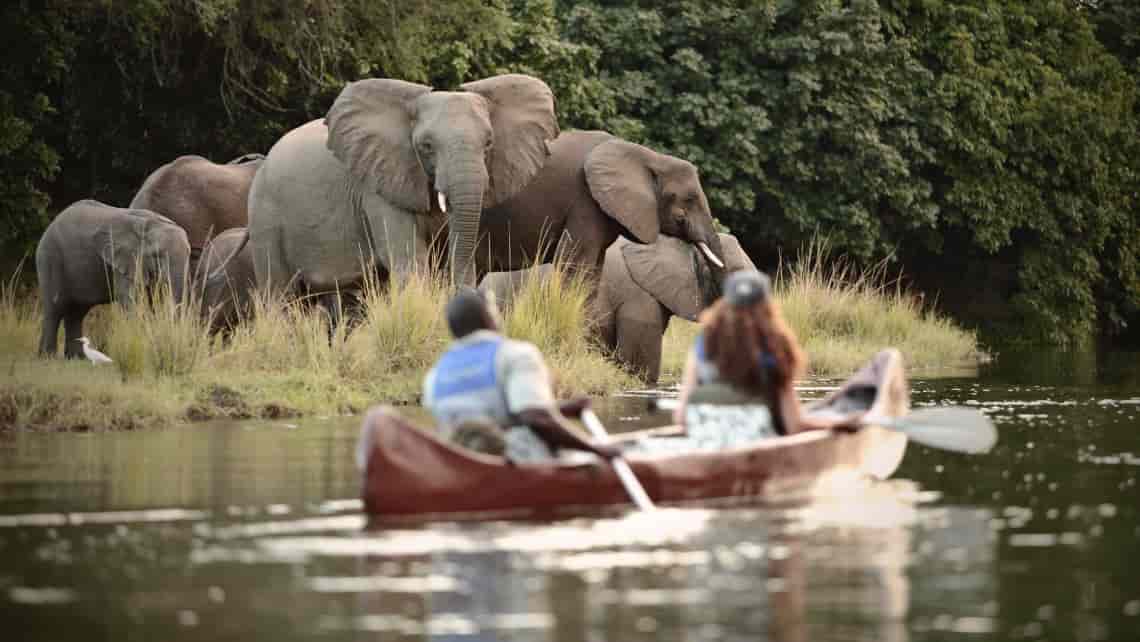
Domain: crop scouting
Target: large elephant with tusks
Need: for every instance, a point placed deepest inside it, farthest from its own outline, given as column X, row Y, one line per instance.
column 392, row 165
column 642, row 287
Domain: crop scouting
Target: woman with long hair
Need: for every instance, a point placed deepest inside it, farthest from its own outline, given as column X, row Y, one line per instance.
column 739, row 375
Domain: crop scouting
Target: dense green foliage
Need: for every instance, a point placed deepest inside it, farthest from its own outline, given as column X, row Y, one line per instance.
column 95, row 94
column 991, row 139
column 991, row 146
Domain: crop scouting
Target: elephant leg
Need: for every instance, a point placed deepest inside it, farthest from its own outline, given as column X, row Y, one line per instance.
column 124, row 291
column 270, row 267
column 582, row 245
column 49, row 332
column 396, row 240
column 639, row 327
column 333, row 305
column 220, row 310
column 72, row 331
column 352, row 308
column 587, row 235
column 604, row 331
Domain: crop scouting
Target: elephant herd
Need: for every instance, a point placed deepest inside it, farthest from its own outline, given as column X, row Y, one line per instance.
column 398, row 178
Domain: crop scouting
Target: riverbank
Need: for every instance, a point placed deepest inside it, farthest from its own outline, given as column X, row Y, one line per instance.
column 842, row 316
column 281, row 364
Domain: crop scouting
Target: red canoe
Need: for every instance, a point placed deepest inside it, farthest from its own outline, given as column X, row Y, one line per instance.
column 411, row 474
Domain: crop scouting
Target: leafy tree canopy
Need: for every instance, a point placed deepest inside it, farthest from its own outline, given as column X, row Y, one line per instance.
column 996, row 136
column 991, row 146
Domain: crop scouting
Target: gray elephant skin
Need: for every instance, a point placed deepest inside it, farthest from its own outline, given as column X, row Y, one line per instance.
column 594, row 188
column 505, row 285
column 393, row 167
column 224, row 278
column 641, row 288
column 644, row 286
column 91, row 253
column 204, row 197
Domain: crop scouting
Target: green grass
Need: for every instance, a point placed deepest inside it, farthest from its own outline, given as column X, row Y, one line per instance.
column 843, row 316
column 281, row 362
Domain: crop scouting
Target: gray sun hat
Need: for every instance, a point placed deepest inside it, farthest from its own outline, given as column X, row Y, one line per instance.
column 745, row 287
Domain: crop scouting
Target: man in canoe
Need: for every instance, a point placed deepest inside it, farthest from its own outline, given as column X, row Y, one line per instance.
column 492, row 394
column 737, row 384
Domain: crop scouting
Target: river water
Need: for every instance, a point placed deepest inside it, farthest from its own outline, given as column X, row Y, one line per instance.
column 253, row 531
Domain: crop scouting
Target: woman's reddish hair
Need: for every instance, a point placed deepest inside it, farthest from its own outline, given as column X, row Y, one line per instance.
column 736, row 338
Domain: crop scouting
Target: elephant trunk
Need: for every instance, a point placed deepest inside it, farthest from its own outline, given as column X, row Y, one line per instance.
column 708, row 243
column 708, row 257
column 462, row 191
column 709, row 278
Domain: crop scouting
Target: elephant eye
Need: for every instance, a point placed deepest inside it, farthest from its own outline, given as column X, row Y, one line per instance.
column 489, row 144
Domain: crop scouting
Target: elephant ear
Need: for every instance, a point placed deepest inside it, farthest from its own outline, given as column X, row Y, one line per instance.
column 620, row 179
column 523, row 120
column 734, row 256
column 666, row 270
column 370, row 131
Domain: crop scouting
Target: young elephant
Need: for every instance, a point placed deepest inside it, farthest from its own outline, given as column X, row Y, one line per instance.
column 224, row 277
column 642, row 286
column 91, row 254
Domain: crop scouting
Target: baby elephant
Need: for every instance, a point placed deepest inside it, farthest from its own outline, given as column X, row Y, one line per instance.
column 225, row 279
column 91, row 254
column 643, row 285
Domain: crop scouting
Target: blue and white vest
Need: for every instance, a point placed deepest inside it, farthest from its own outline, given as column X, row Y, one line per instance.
column 465, row 386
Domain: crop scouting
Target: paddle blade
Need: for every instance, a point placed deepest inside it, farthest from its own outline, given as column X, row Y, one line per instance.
column 954, row 428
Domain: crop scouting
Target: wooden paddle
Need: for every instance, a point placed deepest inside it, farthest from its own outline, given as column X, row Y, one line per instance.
column 955, row 428
column 621, row 466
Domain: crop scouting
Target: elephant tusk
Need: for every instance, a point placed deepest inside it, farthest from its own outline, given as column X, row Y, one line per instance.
column 709, row 255
column 442, row 202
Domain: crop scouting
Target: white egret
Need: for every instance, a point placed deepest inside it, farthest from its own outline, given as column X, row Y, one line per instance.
column 93, row 355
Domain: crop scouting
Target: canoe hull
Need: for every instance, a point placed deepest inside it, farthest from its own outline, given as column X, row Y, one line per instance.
column 413, row 474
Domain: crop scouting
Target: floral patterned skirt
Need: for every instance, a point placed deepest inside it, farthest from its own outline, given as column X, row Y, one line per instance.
column 714, row 427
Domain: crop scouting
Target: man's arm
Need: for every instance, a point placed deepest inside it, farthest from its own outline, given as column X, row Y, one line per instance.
column 560, row 433
column 573, row 408
column 530, row 398
column 796, row 420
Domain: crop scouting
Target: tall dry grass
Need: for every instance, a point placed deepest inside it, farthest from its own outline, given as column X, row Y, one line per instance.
column 158, row 336
column 285, row 359
column 19, row 316
column 550, row 310
column 843, row 315
column 61, row 394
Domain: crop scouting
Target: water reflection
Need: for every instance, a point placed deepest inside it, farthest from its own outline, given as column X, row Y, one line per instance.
column 254, row 531
column 812, row 573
